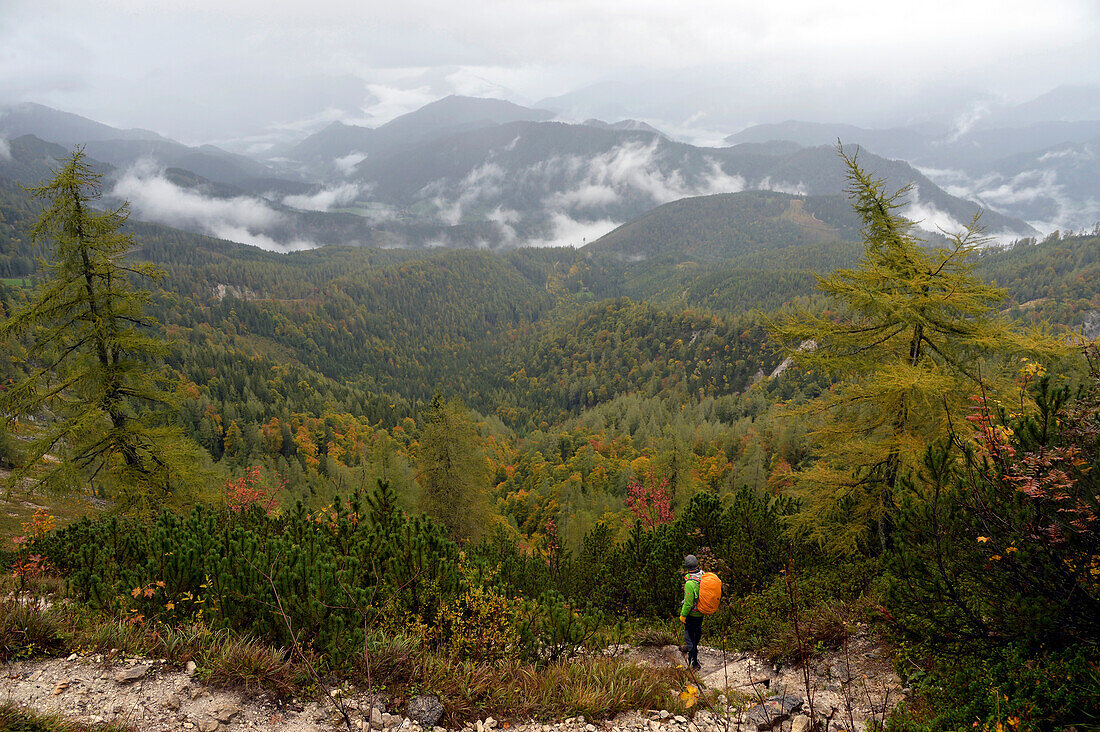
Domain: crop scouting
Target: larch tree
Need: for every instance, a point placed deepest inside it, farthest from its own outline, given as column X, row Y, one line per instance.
column 93, row 387
column 453, row 472
column 913, row 335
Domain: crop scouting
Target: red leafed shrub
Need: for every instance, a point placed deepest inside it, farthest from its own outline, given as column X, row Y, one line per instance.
column 250, row 490
column 649, row 501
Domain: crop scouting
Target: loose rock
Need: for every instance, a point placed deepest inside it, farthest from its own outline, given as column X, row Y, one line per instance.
column 425, row 711
column 130, row 675
column 226, row 712
column 801, row 723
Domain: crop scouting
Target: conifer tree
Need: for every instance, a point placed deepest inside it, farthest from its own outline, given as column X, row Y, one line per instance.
column 453, row 471
column 92, row 364
column 913, row 336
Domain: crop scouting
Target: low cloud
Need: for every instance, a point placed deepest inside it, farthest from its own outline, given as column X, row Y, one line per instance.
column 627, row 171
column 325, row 199
column 482, row 184
column 579, row 195
column 5, row 149
column 504, row 220
column 568, row 232
column 1036, row 195
column 244, row 219
column 587, row 195
column 928, row 217
column 794, row 189
column 346, row 164
column 966, row 121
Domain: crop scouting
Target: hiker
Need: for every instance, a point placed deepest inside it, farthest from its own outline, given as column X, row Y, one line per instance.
column 690, row 615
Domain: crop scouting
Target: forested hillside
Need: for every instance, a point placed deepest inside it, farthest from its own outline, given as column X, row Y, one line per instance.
column 568, row 417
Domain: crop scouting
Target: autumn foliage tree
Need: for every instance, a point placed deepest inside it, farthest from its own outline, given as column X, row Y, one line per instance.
column 452, row 471
column 93, row 383
column 913, row 333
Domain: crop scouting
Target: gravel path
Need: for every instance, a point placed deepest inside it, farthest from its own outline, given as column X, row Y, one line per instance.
column 148, row 694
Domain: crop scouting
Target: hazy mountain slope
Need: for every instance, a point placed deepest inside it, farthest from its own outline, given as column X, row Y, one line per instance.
column 972, row 148
column 123, row 148
column 64, row 128
column 896, row 142
column 530, row 177
column 1067, row 103
column 31, row 160
column 1060, row 184
column 724, row 226
column 1022, row 166
column 207, row 161
column 441, row 118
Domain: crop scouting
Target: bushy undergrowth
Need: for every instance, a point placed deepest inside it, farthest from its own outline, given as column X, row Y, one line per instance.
column 995, row 586
column 315, row 579
column 742, row 539
column 825, row 600
column 1011, row 689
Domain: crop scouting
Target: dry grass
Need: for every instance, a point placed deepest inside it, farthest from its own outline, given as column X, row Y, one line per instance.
column 244, row 662
column 653, row 637
column 28, row 630
column 17, row 719
column 596, row 687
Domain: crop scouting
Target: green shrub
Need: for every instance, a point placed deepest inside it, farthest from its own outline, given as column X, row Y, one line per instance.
column 328, row 571
column 1012, row 690
column 552, row 630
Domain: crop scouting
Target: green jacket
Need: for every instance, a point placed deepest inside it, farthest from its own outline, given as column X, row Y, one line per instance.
column 691, row 597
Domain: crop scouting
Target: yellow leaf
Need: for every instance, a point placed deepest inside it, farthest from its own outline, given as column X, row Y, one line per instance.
column 983, row 539
column 170, row 605
column 996, row 557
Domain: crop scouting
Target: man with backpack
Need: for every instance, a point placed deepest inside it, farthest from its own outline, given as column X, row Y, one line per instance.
column 690, row 615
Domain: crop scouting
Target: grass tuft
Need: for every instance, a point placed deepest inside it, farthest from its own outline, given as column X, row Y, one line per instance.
column 245, row 662
column 598, row 688
column 28, row 629
column 653, row 637
column 14, row 718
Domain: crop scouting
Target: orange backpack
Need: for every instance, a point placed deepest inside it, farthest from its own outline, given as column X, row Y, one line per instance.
column 710, row 593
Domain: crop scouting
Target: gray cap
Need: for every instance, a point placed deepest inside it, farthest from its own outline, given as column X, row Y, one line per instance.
column 691, row 564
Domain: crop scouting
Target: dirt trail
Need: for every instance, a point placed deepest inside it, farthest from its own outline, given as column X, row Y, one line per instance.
column 148, row 694
column 850, row 686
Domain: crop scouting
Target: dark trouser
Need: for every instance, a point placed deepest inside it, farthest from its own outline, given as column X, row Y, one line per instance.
column 693, row 632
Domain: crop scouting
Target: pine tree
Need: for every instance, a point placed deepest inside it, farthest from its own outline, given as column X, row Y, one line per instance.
column 93, row 378
column 453, row 471
column 914, row 335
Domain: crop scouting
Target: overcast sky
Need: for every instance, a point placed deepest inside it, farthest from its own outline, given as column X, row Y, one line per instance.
column 212, row 70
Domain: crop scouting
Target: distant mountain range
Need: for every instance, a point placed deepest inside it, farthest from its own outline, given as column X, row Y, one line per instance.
column 1015, row 161
column 470, row 172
